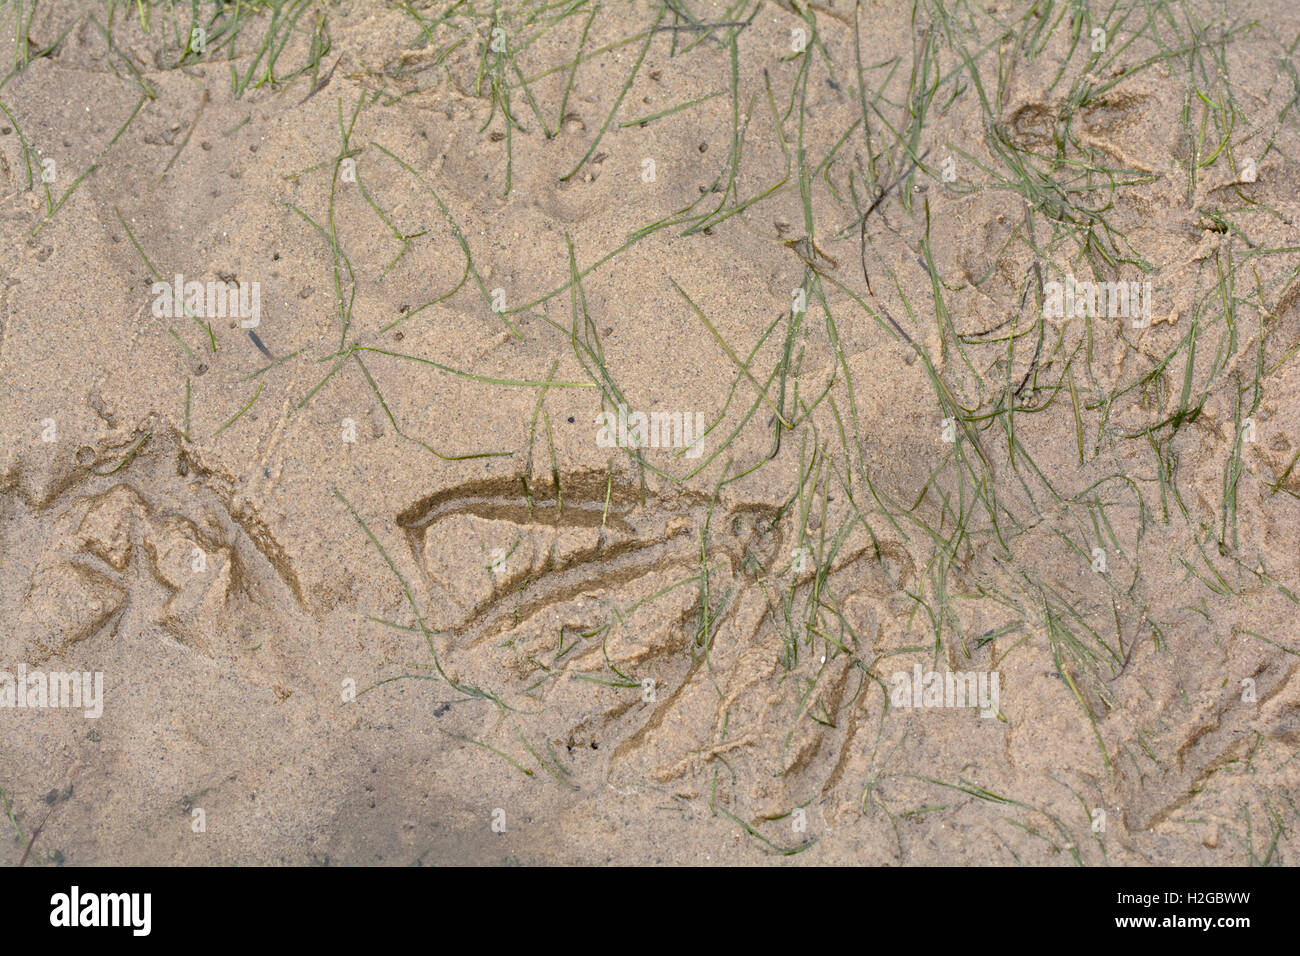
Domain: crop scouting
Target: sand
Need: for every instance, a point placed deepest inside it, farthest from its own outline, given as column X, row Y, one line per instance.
column 623, row 453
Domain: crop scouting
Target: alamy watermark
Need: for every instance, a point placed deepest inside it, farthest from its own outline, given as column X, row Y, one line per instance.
column 656, row 430
column 210, row 300
column 129, row 910
column 38, row 689
column 950, row 689
column 1099, row 300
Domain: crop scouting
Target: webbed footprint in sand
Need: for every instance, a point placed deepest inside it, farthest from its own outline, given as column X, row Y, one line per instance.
column 656, row 623
column 154, row 540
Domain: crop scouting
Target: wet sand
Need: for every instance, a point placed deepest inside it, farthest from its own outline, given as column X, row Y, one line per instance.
column 651, row 434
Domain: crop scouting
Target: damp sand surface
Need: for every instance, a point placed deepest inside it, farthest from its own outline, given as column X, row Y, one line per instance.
column 651, row 433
